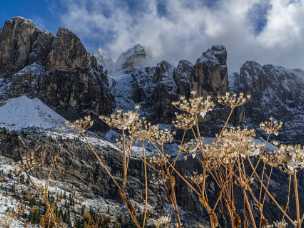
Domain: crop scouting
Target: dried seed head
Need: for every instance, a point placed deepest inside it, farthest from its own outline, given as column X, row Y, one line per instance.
column 233, row 143
column 195, row 105
column 121, row 120
column 140, row 130
column 82, row 125
column 159, row 160
column 271, row 126
column 162, row 221
column 233, row 100
column 184, row 121
column 160, row 136
column 280, row 224
column 289, row 158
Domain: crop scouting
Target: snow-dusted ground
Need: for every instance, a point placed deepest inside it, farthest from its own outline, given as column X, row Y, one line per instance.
column 23, row 112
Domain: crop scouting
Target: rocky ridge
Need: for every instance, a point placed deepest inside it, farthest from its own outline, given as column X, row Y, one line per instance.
column 156, row 87
column 56, row 69
column 276, row 92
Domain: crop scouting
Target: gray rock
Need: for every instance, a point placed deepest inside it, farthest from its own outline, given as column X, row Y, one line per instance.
column 276, row 92
column 211, row 72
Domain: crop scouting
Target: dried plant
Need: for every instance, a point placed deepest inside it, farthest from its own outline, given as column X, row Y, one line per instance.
column 271, row 126
column 239, row 169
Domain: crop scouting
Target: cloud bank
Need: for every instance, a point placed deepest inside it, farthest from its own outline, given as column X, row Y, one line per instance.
column 267, row 31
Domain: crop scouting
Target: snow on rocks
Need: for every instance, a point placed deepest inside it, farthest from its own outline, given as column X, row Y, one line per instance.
column 23, row 112
column 134, row 57
column 33, row 69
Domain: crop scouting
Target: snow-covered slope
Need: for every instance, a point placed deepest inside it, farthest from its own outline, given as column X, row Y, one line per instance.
column 23, row 112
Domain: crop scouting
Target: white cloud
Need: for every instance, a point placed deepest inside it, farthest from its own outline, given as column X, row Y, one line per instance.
column 186, row 31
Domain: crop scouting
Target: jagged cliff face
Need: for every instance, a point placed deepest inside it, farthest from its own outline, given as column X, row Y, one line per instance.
column 21, row 44
column 211, row 72
column 156, row 87
column 57, row 69
column 276, row 92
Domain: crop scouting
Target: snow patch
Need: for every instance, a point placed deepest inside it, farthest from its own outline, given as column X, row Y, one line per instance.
column 23, row 112
column 33, row 69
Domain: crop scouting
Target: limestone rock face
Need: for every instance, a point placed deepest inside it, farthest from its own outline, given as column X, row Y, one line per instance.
column 22, row 43
column 67, row 52
column 56, row 69
column 276, row 92
column 184, row 75
column 156, row 87
column 211, row 74
column 76, row 92
column 164, row 93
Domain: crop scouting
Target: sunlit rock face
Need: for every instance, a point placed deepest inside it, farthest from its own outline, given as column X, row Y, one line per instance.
column 68, row 52
column 57, row 69
column 21, row 44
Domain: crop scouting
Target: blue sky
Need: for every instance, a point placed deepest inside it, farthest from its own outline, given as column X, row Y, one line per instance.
column 37, row 10
column 268, row 31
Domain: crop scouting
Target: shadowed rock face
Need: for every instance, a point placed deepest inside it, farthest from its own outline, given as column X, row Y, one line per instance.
column 184, row 75
column 276, row 92
column 158, row 86
column 57, row 69
column 211, row 72
column 78, row 172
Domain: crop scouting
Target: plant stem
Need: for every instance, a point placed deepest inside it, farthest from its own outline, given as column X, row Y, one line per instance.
column 297, row 199
column 146, row 186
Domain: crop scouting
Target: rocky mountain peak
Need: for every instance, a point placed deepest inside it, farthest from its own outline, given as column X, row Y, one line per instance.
column 132, row 58
column 211, row 71
column 68, row 52
column 184, row 75
column 216, row 55
column 22, row 43
column 56, row 69
column 17, row 20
